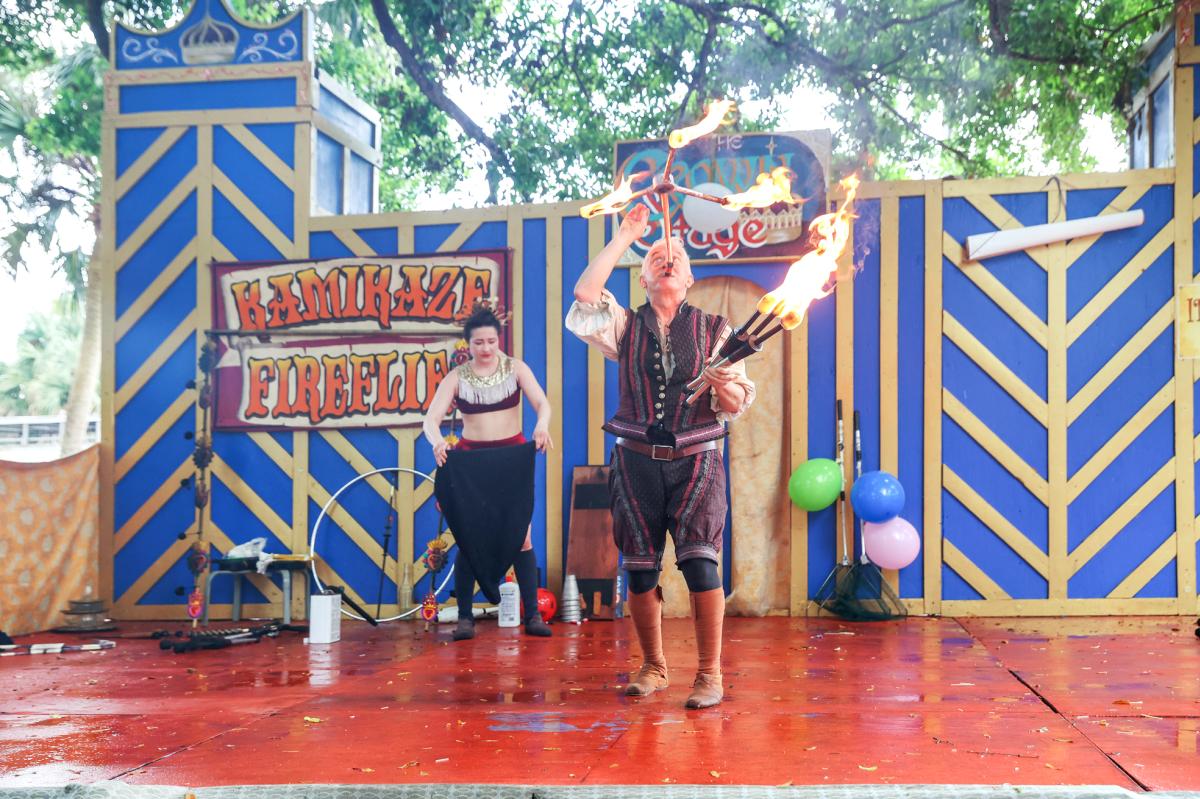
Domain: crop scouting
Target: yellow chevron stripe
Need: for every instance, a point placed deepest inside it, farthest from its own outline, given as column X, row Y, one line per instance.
column 152, row 293
column 273, row 451
column 1119, row 442
column 361, row 465
column 998, row 293
column 1120, row 283
column 1154, row 563
column 220, row 252
column 253, row 215
column 994, row 368
column 1013, row 463
column 1108, row 529
column 155, row 572
column 1016, row 540
column 974, row 576
column 353, row 242
column 1122, row 202
column 146, row 160
column 595, row 366
column 248, row 497
column 461, row 233
column 262, row 153
column 152, row 364
column 1121, row 361
column 154, row 220
column 151, row 435
column 152, row 505
column 350, row 526
column 999, row 216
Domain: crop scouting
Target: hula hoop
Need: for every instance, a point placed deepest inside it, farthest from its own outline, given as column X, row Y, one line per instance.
column 312, row 541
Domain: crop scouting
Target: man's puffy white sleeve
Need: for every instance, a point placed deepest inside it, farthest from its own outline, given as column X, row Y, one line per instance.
column 599, row 324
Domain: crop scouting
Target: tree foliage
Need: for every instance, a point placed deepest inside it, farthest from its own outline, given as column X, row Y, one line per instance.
column 38, row 381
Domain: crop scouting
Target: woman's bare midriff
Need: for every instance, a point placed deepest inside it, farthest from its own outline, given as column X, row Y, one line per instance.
column 493, row 426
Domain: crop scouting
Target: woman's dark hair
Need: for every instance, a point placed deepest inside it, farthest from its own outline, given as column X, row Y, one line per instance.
column 481, row 317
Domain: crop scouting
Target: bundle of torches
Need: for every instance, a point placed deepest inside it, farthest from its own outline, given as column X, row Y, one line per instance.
column 809, row 279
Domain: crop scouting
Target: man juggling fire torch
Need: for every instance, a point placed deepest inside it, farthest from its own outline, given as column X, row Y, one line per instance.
column 682, row 378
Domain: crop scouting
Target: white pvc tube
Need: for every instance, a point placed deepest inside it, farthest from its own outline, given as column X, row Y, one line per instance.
column 1002, row 242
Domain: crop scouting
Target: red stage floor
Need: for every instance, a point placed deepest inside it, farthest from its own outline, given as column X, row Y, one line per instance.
column 809, row 701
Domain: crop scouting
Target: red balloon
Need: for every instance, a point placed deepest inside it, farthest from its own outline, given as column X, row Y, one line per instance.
column 547, row 605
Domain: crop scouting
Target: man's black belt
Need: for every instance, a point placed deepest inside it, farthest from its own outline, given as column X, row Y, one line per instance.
column 662, row 452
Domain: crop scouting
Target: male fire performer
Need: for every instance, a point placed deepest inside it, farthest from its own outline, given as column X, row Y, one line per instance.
column 667, row 470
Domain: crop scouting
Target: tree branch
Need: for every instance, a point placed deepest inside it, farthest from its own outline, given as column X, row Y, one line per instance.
column 1001, row 46
column 95, row 18
column 696, row 84
column 420, row 75
column 892, row 22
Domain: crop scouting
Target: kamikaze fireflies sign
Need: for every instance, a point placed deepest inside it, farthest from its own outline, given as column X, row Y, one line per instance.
column 349, row 342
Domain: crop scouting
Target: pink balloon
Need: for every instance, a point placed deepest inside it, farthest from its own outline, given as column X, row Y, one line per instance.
column 892, row 544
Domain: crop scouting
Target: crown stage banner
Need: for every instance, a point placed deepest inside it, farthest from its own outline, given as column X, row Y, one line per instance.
column 345, row 342
column 726, row 164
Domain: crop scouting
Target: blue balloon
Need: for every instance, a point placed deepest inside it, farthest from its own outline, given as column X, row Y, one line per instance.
column 877, row 497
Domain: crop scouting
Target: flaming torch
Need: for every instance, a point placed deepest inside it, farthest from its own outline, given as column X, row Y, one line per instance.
column 769, row 189
column 809, row 279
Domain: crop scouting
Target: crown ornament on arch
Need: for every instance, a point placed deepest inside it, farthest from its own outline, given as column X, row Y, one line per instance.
column 209, row 41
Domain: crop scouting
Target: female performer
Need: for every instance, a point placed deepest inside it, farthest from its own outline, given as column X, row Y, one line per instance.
column 487, row 390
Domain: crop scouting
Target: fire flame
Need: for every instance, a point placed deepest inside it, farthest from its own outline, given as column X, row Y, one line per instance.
column 768, row 189
column 716, row 113
column 614, row 201
column 808, row 279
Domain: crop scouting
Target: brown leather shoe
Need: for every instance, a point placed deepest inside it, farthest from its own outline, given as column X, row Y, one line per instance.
column 650, row 677
column 706, row 691
column 646, row 610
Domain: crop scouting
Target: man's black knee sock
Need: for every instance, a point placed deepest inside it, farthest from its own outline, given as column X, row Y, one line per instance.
column 642, row 580
column 700, row 574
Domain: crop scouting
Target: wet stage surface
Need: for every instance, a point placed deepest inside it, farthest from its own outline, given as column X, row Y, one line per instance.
column 808, row 701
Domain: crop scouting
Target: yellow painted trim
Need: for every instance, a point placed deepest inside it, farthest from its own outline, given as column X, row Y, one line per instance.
column 996, row 369
column 885, row 189
column 974, row 576
column 252, row 116
column 302, row 188
column 1122, row 202
column 554, row 370
column 262, row 153
column 406, row 508
column 995, row 521
column 219, row 252
column 152, row 293
column 515, row 236
column 358, row 462
column 932, row 543
column 637, row 294
column 1091, row 180
column 1117, row 444
column 278, row 455
column 999, row 216
column 354, row 242
column 350, row 526
column 1185, row 370
column 154, row 220
column 152, row 434
column 300, row 482
column 1136, row 580
column 995, row 446
column 459, row 237
column 1056, row 394
column 1062, row 607
column 261, row 509
column 1120, row 283
column 146, row 160
column 343, row 137
column 138, row 588
column 154, row 362
column 1120, row 361
column 153, row 504
column 253, row 215
column 405, row 238
column 206, row 74
column 453, row 216
column 1122, row 516
column 595, row 362
column 796, row 355
column 889, row 345
column 106, row 249
column 998, row 293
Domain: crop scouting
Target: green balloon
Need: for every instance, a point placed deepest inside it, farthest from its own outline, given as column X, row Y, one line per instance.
column 815, row 484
